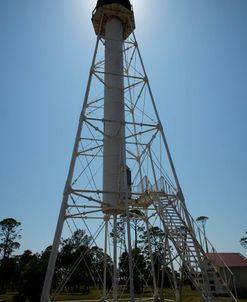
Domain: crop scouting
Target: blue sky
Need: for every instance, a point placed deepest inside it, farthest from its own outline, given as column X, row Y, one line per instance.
column 195, row 54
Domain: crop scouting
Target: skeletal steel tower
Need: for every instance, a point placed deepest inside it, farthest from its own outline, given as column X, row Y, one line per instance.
column 122, row 188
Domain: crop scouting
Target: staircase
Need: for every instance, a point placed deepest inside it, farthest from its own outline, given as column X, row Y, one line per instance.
column 213, row 283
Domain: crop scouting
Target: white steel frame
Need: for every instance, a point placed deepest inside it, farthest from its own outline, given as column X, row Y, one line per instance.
column 155, row 199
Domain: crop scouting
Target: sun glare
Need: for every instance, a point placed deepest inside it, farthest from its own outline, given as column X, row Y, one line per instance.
column 140, row 9
column 87, row 5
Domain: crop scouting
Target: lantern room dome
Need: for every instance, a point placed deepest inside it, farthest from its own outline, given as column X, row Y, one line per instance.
column 125, row 3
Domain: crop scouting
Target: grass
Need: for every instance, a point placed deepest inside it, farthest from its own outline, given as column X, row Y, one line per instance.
column 188, row 296
column 8, row 297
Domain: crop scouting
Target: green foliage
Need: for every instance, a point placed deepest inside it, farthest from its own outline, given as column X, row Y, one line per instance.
column 9, row 228
column 75, row 253
column 25, row 273
column 120, row 232
column 32, row 272
column 156, row 237
column 135, row 225
column 97, row 267
column 139, row 269
column 187, row 296
column 9, row 234
column 243, row 241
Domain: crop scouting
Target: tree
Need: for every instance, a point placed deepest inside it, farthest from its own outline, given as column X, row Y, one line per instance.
column 11, row 273
column 9, row 234
column 155, row 237
column 98, row 258
column 74, row 260
column 202, row 220
column 32, row 273
column 136, row 223
column 120, row 232
column 139, row 267
column 32, row 269
column 243, row 241
column 137, row 219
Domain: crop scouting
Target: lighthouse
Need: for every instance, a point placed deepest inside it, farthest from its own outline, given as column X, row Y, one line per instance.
column 122, row 195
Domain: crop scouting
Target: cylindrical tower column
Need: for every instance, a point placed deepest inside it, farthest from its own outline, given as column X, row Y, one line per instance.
column 114, row 163
column 114, row 21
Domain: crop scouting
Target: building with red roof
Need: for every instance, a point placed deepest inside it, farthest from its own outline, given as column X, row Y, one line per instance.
column 237, row 263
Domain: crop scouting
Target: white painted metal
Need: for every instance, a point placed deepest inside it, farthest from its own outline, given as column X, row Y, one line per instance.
column 114, row 163
column 132, row 294
column 57, row 237
column 119, row 126
column 115, row 260
column 151, row 258
column 105, row 257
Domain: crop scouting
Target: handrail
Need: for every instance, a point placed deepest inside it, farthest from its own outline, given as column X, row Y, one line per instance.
column 164, row 187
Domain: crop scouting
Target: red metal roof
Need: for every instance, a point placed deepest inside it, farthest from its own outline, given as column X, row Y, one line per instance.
column 230, row 259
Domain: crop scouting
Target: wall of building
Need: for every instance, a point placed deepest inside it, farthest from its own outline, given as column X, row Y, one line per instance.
column 240, row 274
